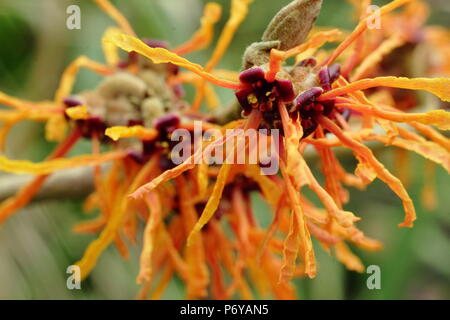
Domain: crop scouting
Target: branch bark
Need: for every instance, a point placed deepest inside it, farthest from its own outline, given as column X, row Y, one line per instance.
column 71, row 183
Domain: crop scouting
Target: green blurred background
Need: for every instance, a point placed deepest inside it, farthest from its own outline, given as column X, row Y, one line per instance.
column 37, row 245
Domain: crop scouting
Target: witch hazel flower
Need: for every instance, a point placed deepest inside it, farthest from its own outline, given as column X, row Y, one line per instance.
column 319, row 108
column 198, row 219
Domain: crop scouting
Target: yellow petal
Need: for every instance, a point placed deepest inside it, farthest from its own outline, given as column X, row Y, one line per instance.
column 78, row 113
column 161, row 55
column 49, row 166
column 118, row 132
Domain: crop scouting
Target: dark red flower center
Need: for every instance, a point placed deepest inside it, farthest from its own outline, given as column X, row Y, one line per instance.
column 258, row 93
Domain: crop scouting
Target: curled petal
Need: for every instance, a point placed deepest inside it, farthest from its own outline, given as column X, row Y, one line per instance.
column 298, row 239
column 291, row 248
column 427, row 149
column 161, row 55
column 115, row 221
column 202, row 179
column 68, row 77
column 433, row 135
column 366, row 155
column 8, row 116
column 154, row 206
column 358, row 238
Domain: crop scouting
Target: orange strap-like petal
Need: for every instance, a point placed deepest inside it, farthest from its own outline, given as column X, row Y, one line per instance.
column 92, row 253
column 367, row 156
column 154, row 206
column 298, row 238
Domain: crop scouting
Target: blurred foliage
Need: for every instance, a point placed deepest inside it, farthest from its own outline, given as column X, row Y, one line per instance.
column 37, row 244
